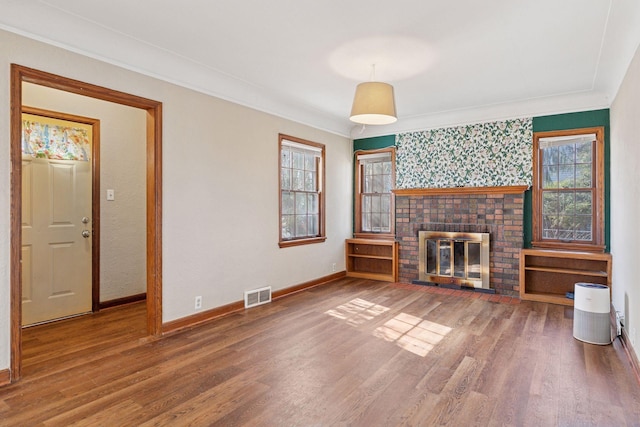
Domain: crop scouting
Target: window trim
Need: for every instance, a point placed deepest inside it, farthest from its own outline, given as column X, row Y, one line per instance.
column 391, row 235
column 284, row 243
column 597, row 243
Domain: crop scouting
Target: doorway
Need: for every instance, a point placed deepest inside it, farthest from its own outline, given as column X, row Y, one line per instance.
column 153, row 109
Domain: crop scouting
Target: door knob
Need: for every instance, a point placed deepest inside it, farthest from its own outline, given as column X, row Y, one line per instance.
column 85, row 220
column 86, row 233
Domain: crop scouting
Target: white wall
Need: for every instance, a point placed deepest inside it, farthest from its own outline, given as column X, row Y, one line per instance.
column 625, row 201
column 220, row 188
column 123, row 169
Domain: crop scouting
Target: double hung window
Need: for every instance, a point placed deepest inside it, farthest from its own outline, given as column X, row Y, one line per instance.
column 569, row 189
column 301, row 191
column 375, row 178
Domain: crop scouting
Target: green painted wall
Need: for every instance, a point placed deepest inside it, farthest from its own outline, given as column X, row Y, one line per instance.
column 574, row 121
column 374, row 143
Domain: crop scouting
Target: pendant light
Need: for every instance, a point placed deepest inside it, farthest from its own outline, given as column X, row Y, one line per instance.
column 373, row 103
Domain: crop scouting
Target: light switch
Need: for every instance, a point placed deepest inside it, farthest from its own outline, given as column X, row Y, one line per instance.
column 111, row 195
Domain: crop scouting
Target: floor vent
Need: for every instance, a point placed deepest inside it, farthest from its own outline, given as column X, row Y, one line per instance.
column 257, row 297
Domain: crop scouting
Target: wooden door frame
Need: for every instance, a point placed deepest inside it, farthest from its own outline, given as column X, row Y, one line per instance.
column 95, row 192
column 20, row 74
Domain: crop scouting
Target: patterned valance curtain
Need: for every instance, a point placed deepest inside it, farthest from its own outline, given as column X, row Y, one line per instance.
column 49, row 141
column 491, row 154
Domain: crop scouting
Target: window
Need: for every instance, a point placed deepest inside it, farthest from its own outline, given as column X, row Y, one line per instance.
column 301, row 191
column 375, row 178
column 51, row 138
column 568, row 191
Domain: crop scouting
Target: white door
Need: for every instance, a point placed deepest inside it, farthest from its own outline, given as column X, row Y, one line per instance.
column 56, row 239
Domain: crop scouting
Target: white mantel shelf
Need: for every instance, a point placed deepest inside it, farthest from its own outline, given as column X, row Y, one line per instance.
column 513, row 189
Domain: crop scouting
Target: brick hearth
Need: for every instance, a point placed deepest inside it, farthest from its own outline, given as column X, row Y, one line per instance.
column 495, row 213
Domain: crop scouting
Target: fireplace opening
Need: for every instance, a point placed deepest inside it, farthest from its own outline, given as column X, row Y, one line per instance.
column 452, row 258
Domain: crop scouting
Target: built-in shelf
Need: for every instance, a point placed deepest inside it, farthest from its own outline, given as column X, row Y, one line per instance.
column 547, row 275
column 370, row 256
column 372, row 259
column 569, row 271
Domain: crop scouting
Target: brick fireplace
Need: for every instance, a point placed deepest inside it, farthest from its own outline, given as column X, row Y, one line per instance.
column 494, row 210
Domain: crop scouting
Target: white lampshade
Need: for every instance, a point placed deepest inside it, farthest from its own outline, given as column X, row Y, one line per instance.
column 374, row 104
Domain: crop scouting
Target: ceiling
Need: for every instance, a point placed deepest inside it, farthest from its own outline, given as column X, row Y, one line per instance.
column 451, row 62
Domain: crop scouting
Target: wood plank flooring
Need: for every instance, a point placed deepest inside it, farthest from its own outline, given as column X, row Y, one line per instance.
column 350, row 353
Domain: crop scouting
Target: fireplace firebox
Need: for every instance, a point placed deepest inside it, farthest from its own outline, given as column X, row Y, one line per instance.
column 451, row 258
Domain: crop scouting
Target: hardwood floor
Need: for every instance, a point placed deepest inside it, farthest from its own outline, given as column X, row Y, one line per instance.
column 351, row 353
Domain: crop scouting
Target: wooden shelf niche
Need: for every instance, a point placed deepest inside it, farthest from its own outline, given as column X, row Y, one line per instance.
column 372, row 259
column 547, row 275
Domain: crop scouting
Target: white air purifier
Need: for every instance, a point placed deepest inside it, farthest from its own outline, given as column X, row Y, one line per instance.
column 591, row 310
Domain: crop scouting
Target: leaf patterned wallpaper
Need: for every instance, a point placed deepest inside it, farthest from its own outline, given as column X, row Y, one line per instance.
column 491, row 154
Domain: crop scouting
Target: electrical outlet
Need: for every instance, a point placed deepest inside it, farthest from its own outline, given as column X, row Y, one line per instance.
column 333, row 267
column 198, row 303
column 619, row 323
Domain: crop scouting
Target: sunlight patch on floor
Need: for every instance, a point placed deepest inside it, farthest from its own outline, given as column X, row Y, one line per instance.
column 409, row 332
column 357, row 311
column 412, row 333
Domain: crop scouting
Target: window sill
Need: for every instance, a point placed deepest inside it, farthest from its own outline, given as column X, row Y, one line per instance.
column 573, row 246
column 377, row 236
column 300, row 242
